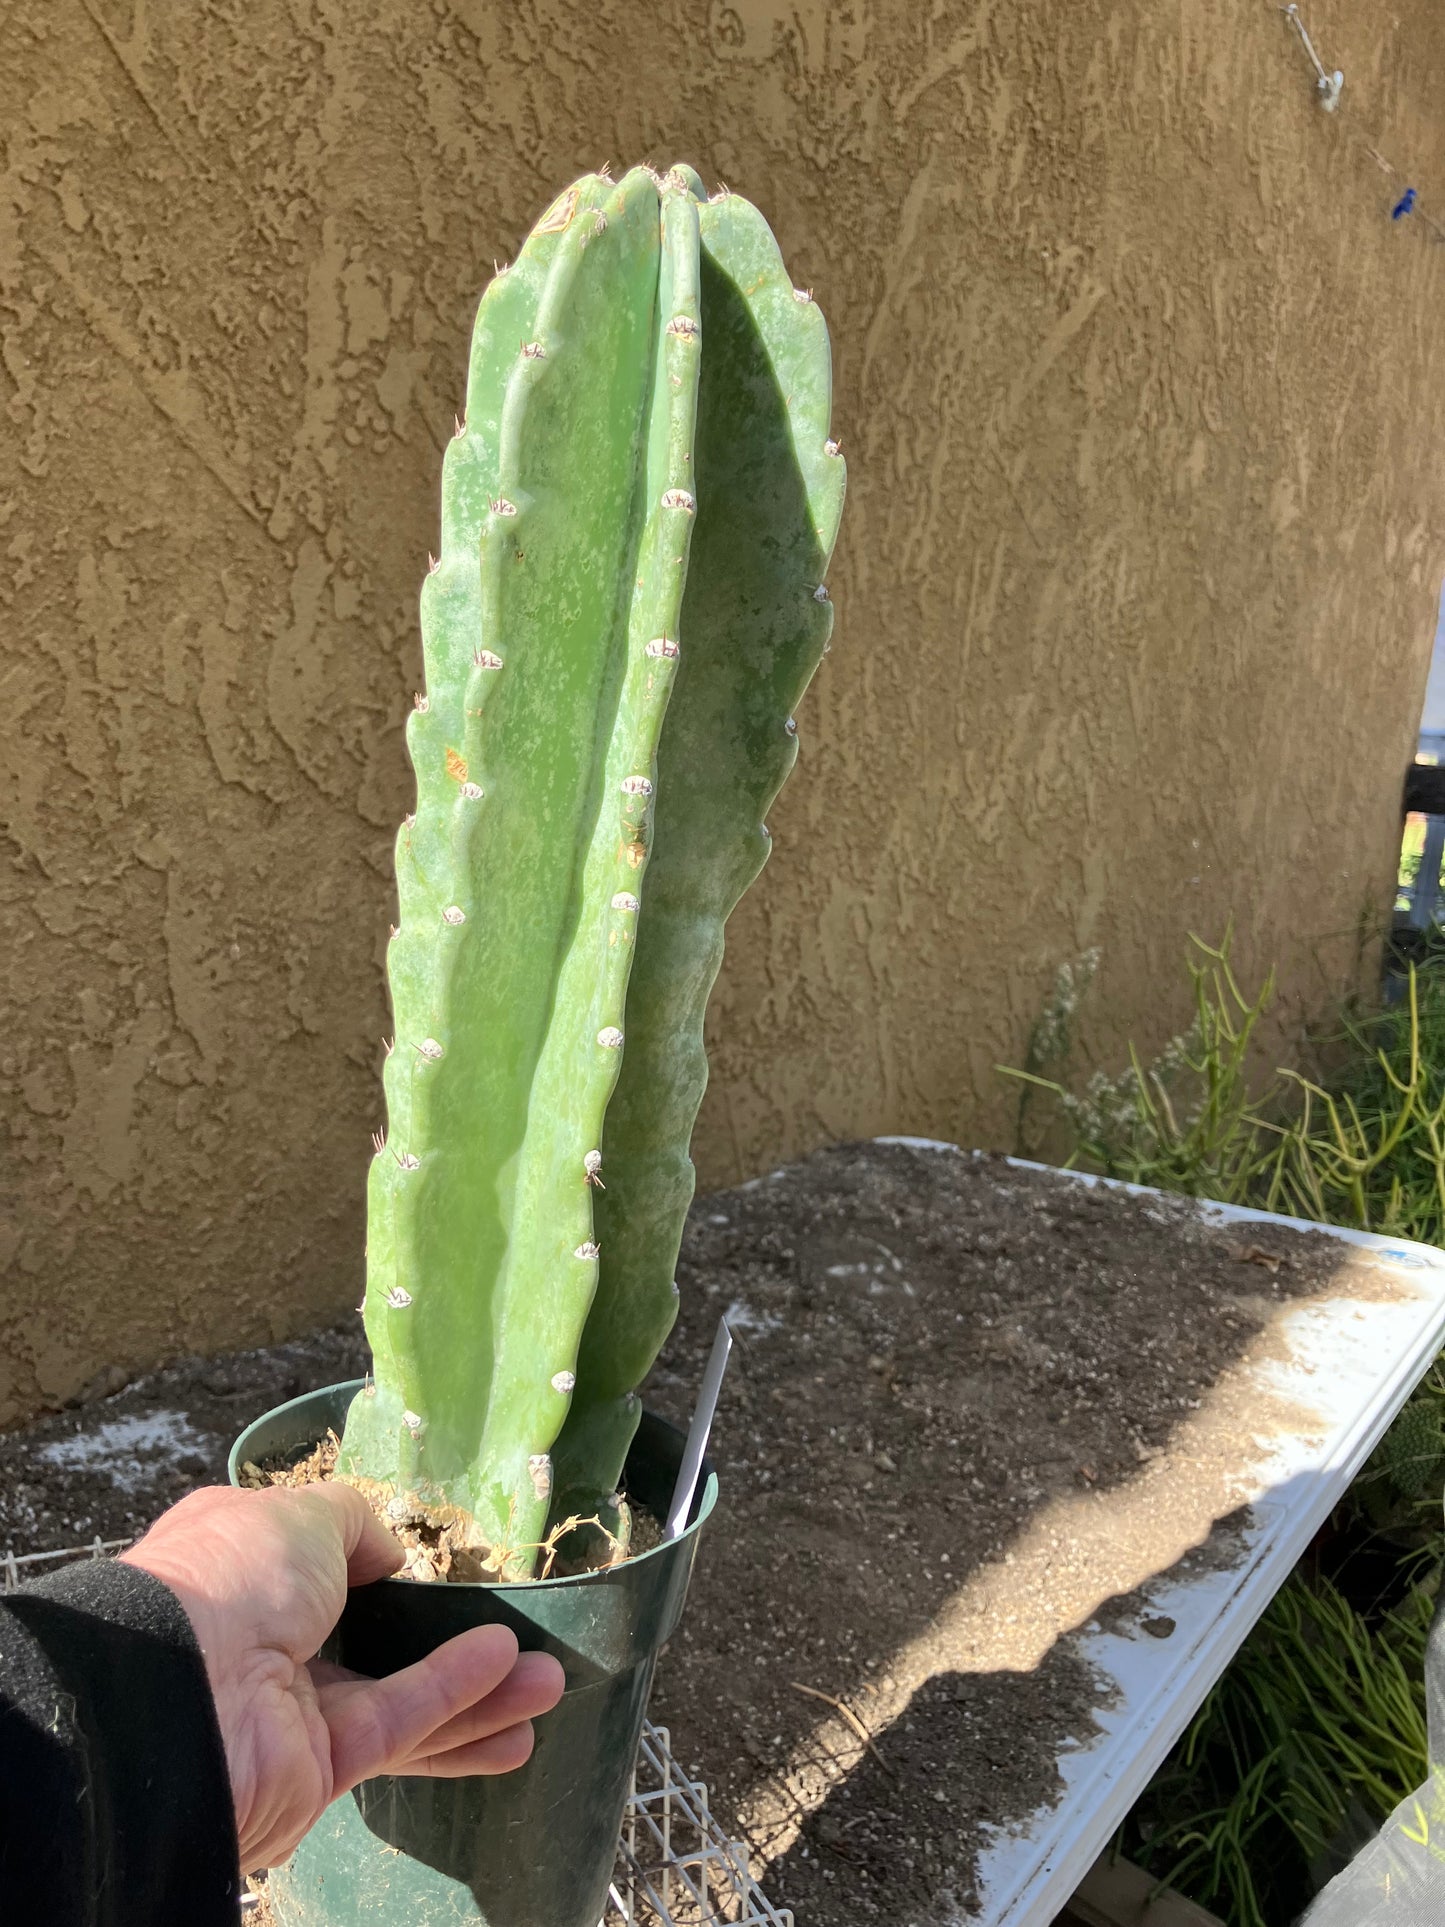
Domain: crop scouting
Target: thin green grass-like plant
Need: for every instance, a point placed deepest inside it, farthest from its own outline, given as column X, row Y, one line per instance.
column 1320, row 1719
column 1187, row 1120
column 1371, row 1152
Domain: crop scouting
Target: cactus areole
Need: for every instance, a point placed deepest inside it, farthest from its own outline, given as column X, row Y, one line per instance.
column 628, row 602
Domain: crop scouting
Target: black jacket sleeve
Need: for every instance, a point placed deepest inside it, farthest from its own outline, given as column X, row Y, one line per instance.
column 115, row 1806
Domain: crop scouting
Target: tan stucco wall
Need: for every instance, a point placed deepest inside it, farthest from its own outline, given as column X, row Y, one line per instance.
column 1144, row 403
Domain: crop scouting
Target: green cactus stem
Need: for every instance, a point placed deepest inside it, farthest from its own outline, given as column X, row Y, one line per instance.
column 596, row 530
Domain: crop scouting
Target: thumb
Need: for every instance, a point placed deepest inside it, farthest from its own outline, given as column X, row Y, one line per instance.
column 371, row 1552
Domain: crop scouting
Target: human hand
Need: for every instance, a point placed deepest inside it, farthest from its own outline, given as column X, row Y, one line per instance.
column 263, row 1578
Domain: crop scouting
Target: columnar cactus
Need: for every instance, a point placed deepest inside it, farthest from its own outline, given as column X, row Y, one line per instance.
column 636, row 517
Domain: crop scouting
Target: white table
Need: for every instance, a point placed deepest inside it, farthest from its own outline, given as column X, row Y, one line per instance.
column 1353, row 1359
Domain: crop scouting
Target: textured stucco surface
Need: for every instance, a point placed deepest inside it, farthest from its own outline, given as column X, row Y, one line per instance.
column 1143, row 398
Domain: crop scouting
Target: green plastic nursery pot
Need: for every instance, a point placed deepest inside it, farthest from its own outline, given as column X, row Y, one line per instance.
column 534, row 1848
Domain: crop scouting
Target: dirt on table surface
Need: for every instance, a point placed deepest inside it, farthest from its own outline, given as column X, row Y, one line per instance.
column 971, row 1410
column 105, row 1468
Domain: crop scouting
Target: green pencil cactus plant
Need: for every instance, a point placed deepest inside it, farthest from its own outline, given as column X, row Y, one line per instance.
column 628, row 601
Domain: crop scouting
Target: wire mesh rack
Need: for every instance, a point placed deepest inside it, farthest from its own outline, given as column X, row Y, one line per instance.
column 676, row 1867
column 14, row 1566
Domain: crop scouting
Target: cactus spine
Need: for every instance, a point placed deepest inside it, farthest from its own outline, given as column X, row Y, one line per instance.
column 643, row 493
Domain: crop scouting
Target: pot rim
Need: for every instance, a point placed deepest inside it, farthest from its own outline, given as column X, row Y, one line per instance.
column 703, row 1510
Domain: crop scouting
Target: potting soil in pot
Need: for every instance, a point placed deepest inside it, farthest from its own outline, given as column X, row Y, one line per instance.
column 970, row 1410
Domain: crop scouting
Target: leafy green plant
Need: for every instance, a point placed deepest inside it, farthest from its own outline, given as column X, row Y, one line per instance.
column 637, row 513
column 1409, row 1462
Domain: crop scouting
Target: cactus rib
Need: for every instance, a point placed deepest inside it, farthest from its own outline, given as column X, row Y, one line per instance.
column 590, row 421
column 755, row 623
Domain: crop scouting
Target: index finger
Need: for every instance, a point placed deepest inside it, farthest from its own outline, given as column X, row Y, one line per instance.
column 371, row 1551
